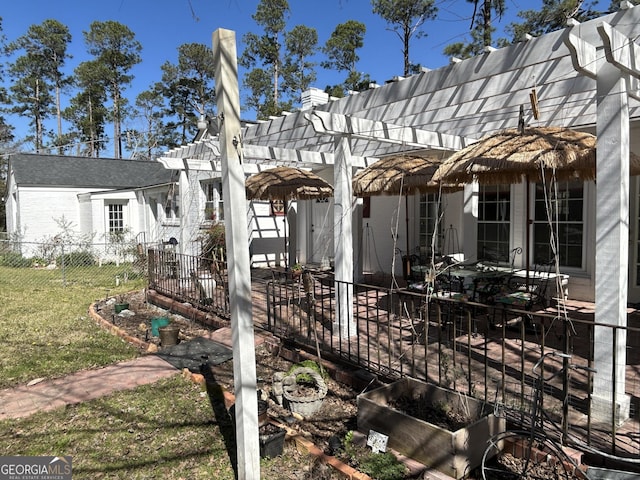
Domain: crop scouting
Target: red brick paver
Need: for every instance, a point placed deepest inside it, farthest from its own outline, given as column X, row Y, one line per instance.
column 82, row 386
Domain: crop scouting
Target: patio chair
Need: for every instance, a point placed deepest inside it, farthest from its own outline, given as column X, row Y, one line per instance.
column 524, row 293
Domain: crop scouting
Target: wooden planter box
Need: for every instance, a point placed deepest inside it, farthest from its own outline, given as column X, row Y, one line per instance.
column 454, row 453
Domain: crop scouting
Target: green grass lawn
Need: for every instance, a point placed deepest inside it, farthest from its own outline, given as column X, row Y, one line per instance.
column 166, row 430
column 45, row 330
column 162, row 431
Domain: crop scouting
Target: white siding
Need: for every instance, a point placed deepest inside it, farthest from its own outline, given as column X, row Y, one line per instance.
column 40, row 211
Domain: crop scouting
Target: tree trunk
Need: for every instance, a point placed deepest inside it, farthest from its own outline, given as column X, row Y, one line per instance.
column 486, row 17
column 117, row 153
column 406, row 40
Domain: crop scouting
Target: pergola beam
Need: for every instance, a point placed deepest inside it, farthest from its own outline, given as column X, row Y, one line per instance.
column 326, row 123
column 205, row 155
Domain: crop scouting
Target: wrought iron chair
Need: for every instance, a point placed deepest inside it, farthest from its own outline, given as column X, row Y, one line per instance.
column 525, row 293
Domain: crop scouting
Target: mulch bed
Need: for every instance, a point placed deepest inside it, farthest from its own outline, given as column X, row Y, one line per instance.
column 336, row 416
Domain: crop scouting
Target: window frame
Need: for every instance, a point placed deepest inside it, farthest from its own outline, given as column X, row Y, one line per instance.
column 503, row 194
column 566, row 203
column 111, row 213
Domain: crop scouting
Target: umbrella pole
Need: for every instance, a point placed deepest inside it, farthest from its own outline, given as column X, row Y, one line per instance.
column 527, row 231
column 286, row 249
column 406, row 221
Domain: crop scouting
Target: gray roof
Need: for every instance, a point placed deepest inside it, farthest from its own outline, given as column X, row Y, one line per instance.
column 105, row 173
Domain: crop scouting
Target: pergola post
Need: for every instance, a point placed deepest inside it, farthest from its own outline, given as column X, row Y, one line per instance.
column 343, row 237
column 612, row 247
column 237, row 241
column 611, row 64
column 190, row 219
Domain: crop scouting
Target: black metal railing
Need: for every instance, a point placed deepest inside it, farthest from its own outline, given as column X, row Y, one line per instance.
column 469, row 347
column 200, row 281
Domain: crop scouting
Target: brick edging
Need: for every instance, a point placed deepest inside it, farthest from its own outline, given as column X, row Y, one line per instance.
column 303, row 443
column 185, row 309
column 104, row 323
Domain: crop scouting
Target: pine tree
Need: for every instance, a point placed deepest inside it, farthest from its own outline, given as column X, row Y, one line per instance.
column 340, row 50
column 115, row 48
column 482, row 29
column 278, row 62
column 87, row 112
column 405, row 19
column 38, row 75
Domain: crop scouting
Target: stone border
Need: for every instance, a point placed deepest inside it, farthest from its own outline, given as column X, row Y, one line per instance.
column 104, row 323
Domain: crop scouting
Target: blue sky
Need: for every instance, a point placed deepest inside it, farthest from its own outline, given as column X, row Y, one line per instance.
column 161, row 26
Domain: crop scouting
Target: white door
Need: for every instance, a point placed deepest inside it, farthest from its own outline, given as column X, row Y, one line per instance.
column 321, row 238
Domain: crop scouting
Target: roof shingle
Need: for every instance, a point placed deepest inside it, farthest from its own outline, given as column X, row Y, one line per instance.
column 63, row 171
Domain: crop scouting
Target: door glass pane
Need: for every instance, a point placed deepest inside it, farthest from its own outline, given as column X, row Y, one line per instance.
column 567, row 213
column 494, row 217
column 430, row 209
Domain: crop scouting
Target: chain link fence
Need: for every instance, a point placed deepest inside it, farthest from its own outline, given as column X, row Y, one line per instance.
column 111, row 265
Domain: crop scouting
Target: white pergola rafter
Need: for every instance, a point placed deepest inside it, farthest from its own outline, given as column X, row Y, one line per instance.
column 618, row 49
column 205, row 155
column 327, row 123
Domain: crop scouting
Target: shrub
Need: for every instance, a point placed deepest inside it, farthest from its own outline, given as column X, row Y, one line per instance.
column 214, row 243
column 303, row 377
column 14, row 259
column 379, row 466
column 382, row 466
column 76, row 259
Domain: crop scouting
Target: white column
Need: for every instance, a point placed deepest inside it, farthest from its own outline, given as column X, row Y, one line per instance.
column 469, row 222
column 188, row 190
column 612, row 247
column 237, row 242
column 343, row 237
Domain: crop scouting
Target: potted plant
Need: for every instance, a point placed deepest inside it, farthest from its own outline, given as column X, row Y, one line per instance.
column 121, row 304
column 271, row 436
column 304, row 390
column 296, row 270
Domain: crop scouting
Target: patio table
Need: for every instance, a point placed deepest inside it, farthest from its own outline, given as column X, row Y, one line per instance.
column 478, row 279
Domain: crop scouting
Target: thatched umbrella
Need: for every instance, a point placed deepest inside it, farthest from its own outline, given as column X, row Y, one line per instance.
column 511, row 155
column 395, row 175
column 286, row 183
column 404, row 174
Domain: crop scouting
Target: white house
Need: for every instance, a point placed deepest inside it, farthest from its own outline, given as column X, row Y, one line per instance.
column 438, row 111
column 93, row 197
column 583, row 77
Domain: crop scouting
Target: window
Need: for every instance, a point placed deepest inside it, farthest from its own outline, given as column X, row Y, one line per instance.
column 430, row 209
column 170, row 204
column 494, row 222
column 214, row 205
column 567, row 216
column 116, row 217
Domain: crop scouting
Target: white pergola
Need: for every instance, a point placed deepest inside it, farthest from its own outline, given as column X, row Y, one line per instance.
column 584, row 77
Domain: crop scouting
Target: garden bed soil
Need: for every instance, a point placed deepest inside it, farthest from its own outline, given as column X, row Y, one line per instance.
column 447, row 418
column 336, row 416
